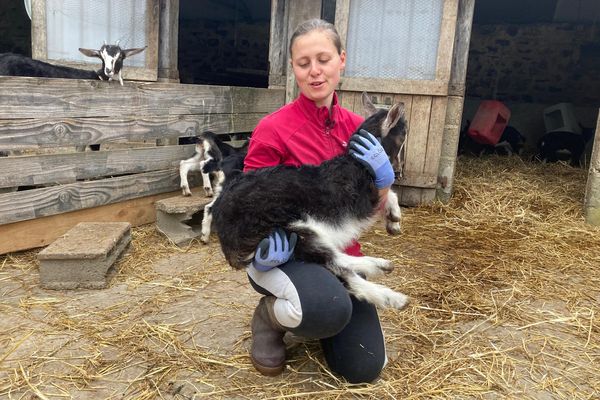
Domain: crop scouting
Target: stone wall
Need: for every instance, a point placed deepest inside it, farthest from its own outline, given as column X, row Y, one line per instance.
column 535, row 63
column 532, row 66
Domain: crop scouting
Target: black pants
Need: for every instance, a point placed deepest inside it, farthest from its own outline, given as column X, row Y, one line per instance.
column 349, row 329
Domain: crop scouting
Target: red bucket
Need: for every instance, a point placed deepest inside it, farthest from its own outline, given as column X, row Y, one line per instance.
column 489, row 122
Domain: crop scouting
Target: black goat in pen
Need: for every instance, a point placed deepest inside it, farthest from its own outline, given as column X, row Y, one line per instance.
column 327, row 206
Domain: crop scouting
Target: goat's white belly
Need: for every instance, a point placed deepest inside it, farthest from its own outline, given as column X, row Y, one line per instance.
column 339, row 235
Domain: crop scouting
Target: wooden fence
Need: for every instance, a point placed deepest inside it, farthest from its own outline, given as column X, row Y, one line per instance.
column 45, row 119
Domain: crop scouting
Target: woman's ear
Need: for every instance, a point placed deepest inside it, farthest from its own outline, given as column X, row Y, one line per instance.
column 343, row 59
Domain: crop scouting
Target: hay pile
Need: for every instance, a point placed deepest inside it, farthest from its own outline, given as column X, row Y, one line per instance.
column 504, row 282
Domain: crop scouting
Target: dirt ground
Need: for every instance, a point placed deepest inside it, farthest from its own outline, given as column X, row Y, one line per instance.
column 504, row 282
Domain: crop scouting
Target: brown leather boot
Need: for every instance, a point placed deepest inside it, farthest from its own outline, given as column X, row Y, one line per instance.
column 268, row 350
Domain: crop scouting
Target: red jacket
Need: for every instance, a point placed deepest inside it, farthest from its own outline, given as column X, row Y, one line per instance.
column 300, row 133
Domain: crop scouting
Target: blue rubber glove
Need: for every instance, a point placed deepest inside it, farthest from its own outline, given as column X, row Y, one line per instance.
column 367, row 150
column 274, row 250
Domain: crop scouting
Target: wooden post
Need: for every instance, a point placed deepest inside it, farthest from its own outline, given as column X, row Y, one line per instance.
column 456, row 97
column 168, row 41
column 591, row 205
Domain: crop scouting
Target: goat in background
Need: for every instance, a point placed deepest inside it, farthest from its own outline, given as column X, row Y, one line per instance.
column 112, row 57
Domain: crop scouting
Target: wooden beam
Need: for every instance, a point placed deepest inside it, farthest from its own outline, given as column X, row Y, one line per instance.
column 591, row 202
column 397, row 86
column 72, row 167
column 168, row 40
column 36, row 203
column 43, row 231
column 20, row 134
column 23, row 97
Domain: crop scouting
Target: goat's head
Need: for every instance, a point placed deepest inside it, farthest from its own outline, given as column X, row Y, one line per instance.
column 389, row 126
column 112, row 56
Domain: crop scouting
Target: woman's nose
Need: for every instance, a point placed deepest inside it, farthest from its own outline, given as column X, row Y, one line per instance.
column 315, row 69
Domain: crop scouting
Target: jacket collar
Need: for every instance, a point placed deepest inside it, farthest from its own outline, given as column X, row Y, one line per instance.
column 320, row 115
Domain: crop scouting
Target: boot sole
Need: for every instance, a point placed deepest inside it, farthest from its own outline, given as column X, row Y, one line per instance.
column 267, row 371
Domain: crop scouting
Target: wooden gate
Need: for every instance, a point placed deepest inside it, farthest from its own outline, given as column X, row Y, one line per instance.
column 44, row 119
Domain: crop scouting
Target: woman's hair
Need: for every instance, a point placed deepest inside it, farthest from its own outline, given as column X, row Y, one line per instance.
column 317, row 24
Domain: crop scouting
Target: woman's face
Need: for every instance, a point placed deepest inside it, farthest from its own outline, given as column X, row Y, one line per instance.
column 317, row 66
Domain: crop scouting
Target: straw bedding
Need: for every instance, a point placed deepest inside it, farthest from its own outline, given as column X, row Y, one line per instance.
column 504, row 284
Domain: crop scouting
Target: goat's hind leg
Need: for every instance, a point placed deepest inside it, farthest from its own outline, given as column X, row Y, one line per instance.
column 207, row 222
column 379, row 295
column 185, row 166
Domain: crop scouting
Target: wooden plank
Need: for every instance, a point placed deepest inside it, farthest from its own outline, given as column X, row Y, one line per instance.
column 68, row 168
column 399, row 86
column 35, row 203
column 19, row 134
column 43, row 231
column 435, row 135
column 591, row 202
column 446, row 42
column 278, row 42
column 342, row 18
column 69, row 98
column 168, row 41
column 39, row 49
column 416, row 145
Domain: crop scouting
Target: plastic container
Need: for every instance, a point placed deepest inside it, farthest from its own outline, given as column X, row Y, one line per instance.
column 489, row 122
column 561, row 117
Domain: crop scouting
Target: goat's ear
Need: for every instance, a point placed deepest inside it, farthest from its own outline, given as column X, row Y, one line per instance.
column 90, row 52
column 367, row 105
column 131, row 52
column 393, row 116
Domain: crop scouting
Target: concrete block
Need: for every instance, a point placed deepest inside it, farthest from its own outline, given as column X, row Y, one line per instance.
column 175, row 217
column 83, row 257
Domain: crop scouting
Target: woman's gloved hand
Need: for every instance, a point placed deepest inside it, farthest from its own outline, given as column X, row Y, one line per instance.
column 367, row 150
column 274, row 250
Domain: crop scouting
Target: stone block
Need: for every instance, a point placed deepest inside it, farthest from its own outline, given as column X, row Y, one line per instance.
column 84, row 256
column 176, row 220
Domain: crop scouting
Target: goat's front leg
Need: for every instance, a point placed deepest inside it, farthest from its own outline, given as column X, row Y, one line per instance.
column 392, row 213
column 206, row 222
column 185, row 166
column 206, row 180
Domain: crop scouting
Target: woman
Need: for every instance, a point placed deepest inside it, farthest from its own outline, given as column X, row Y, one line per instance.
column 304, row 298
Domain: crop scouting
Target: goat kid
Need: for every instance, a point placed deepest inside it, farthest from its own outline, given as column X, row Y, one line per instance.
column 553, row 144
column 327, row 206
column 112, row 57
column 211, row 153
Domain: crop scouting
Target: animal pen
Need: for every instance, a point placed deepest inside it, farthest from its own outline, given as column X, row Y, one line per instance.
column 503, row 274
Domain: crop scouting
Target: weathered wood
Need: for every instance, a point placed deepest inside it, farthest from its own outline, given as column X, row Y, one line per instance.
column 400, row 86
column 446, row 42
column 278, row 41
column 416, row 140
column 35, row 203
column 168, row 41
column 39, row 49
column 342, row 16
column 70, row 98
column 72, row 167
column 43, row 231
column 18, row 134
column 455, row 99
column 435, row 135
column 592, row 190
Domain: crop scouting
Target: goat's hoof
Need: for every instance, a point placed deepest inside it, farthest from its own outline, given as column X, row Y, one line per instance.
column 386, row 266
column 204, row 239
column 393, row 228
column 208, row 192
column 397, row 300
column 186, row 192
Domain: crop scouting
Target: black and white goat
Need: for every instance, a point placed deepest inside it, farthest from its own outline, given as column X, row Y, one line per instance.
column 328, row 206
column 553, row 145
column 209, row 159
column 112, row 57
